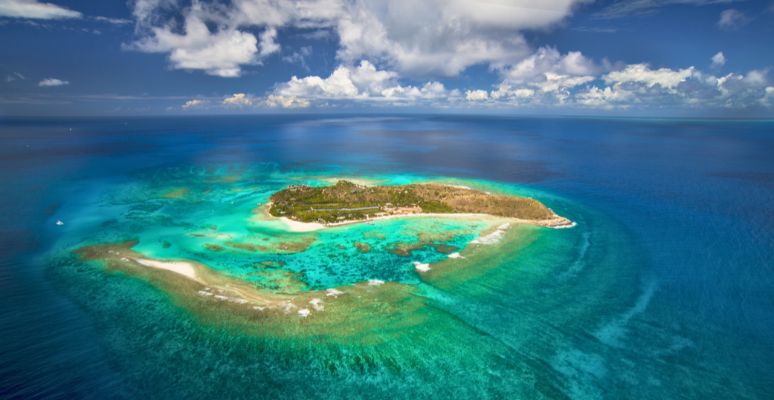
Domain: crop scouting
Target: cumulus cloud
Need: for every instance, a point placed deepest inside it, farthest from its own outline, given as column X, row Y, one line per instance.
column 550, row 79
column 741, row 90
column 363, row 82
column 643, row 74
column 238, row 99
column 545, row 76
column 35, row 10
column 548, row 61
column 425, row 37
column 193, row 103
column 217, row 38
column 463, row 33
column 718, row 60
column 285, row 101
column 269, row 43
column 641, row 86
column 476, row 95
column 51, row 82
column 732, row 19
column 608, row 97
column 219, row 53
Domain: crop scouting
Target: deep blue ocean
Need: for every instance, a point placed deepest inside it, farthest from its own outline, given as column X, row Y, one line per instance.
column 691, row 302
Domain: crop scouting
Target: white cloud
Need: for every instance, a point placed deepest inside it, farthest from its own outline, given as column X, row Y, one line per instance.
column 551, row 72
column 549, row 79
column 718, row 60
column 279, row 100
column 193, row 103
column 667, row 88
column 643, row 74
column 546, row 77
column 51, row 82
column 417, row 37
column 35, row 10
column 631, row 86
column 476, row 95
column 238, row 99
column 741, row 90
column 218, row 53
column 427, row 38
column 556, row 82
column 216, row 38
column 363, row 82
column 732, row 19
column 269, row 43
column 523, row 93
column 605, row 98
column 548, row 60
column 443, row 36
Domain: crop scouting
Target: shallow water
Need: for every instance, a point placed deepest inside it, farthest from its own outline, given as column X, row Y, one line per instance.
column 663, row 290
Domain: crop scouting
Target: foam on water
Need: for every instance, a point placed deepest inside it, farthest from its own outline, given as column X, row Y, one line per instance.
column 493, row 237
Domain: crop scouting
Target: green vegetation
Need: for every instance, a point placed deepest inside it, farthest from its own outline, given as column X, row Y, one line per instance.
column 347, row 201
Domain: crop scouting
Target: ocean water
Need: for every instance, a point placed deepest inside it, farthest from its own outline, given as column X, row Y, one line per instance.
column 664, row 289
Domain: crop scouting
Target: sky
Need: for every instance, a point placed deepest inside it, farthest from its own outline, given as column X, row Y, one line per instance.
column 662, row 58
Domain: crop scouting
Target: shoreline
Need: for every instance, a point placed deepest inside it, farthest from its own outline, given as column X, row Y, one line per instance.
column 556, row 222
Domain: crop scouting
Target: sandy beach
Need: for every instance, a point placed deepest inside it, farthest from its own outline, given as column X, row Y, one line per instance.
column 179, row 267
column 556, row 222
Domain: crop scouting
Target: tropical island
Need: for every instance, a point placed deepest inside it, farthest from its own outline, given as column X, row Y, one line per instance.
column 266, row 287
column 347, row 202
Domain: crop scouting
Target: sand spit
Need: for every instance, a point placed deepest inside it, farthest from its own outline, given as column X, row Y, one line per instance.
column 179, row 267
column 192, row 280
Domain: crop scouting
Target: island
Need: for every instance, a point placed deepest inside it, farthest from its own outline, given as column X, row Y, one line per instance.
column 348, row 202
column 256, row 278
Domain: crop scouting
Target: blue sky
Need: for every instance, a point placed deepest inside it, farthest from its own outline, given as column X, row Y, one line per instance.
column 640, row 57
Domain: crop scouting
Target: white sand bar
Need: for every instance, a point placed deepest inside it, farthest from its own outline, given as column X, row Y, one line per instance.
column 298, row 226
column 421, row 267
column 179, row 267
